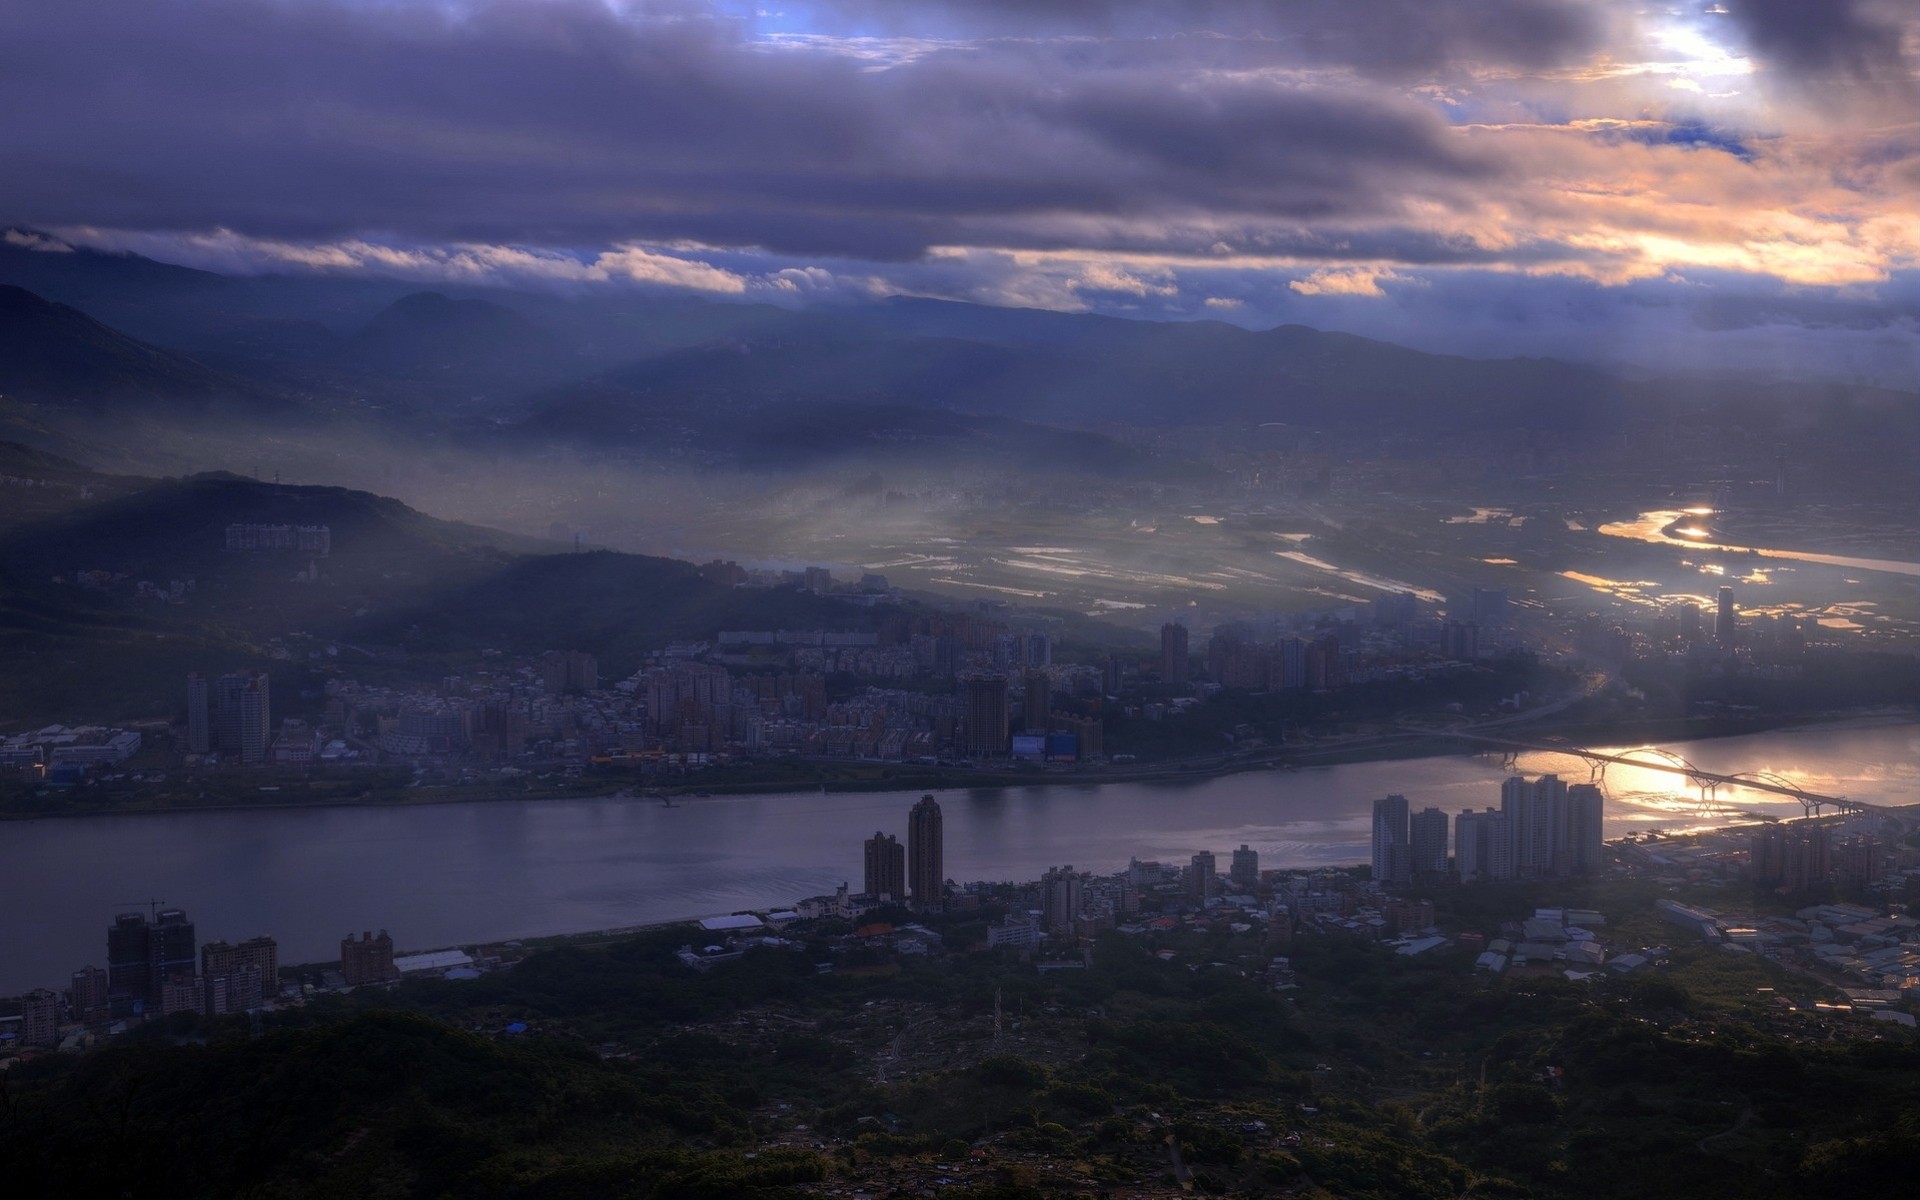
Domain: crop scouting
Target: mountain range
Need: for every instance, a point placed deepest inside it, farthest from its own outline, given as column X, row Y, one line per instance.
column 760, row 386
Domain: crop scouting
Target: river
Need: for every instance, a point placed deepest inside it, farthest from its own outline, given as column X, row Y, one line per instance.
column 445, row 874
column 1652, row 527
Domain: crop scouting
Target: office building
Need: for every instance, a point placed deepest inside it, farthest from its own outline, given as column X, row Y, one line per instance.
column 1390, row 830
column 1173, row 653
column 1245, row 871
column 1726, row 618
column 40, row 1019
column 886, row 868
column 199, row 714
column 88, row 998
column 1203, row 878
column 368, row 960
column 987, row 716
column 1427, row 835
column 926, row 855
column 1061, row 898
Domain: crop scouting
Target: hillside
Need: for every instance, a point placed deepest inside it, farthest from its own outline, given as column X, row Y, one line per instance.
column 59, row 355
column 400, row 593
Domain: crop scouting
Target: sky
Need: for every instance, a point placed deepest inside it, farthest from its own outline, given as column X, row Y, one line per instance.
column 1696, row 185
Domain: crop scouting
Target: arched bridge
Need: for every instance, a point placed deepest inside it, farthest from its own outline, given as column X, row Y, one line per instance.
column 1654, row 758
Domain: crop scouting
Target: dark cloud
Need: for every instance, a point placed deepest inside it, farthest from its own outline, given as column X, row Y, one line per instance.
column 1837, row 40
column 1388, row 36
column 559, row 122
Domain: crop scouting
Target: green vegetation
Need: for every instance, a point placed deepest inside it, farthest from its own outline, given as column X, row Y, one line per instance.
column 610, row 1069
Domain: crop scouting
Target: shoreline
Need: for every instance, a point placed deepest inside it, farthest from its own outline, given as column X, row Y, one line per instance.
column 1403, row 746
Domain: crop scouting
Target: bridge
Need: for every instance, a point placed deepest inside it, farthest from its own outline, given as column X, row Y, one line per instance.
column 1653, row 758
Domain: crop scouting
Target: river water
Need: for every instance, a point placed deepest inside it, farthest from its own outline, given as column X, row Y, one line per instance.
column 438, row 875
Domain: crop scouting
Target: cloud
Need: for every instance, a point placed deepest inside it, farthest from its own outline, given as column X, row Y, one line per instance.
column 637, row 264
column 28, row 240
column 1304, row 158
column 1391, row 37
column 1350, row 281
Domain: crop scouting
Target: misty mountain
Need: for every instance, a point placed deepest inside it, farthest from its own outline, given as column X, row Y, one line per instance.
column 740, row 383
column 55, row 354
column 434, row 338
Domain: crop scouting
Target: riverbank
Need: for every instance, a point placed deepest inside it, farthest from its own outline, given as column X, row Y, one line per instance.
column 288, row 791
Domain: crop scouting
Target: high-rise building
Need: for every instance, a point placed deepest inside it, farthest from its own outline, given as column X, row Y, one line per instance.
column 1037, row 701
column 1460, row 640
column 1427, row 833
column 1690, row 622
column 254, row 967
column 367, row 960
column 1530, row 825
column 1290, row 663
column 1061, row 898
column 1586, row 818
column 256, row 726
column 129, row 979
column 1470, row 844
column 1859, row 862
column 566, row 671
column 1203, row 876
column 181, row 992
column 1499, row 847
column 40, row 1018
column 1173, row 653
column 199, row 714
column 239, row 990
column 87, row 997
column 226, row 711
column 987, row 716
column 1791, row 856
column 886, row 867
column 1039, row 650
column 1390, row 830
column 1245, row 871
column 171, row 944
column 142, row 955
column 1726, row 618
column 926, row 855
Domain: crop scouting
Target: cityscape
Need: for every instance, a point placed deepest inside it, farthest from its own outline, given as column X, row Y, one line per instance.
column 1090, row 600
